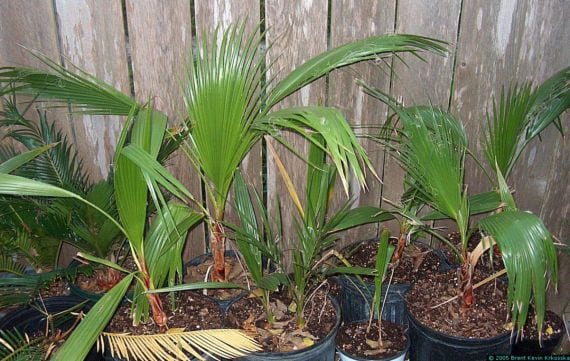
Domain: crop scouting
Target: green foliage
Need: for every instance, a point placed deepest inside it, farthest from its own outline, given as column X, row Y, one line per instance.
column 520, row 115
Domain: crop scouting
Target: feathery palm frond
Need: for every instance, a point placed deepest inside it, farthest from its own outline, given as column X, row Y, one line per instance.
column 61, row 85
column 176, row 345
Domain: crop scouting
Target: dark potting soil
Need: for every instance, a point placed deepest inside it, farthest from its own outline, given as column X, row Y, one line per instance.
column 489, row 263
column 58, row 287
column 192, row 312
column 235, row 272
column 486, row 318
column 249, row 315
column 417, row 261
column 354, row 340
column 552, row 327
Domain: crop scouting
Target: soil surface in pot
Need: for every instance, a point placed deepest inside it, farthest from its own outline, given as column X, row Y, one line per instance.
column 417, row 260
column 353, row 339
column 485, row 319
column 489, row 263
column 283, row 336
column 58, row 287
column 552, row 327
column 192, row 312
column 234, row 270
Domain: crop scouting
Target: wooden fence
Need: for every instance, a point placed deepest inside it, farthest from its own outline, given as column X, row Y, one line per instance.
column 140, row 46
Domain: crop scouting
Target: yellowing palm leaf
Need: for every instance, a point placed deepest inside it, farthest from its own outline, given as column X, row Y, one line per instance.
column 176, row 345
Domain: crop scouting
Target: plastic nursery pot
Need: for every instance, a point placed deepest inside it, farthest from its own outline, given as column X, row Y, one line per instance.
column 30, row 320
column 428, row 344
column 401, row 356
column 356, row 297
column 530, row 346
column 323, row 350
column 224, row 303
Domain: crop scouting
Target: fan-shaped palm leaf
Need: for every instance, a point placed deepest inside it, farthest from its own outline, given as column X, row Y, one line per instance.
column 529, row 256
column 520, row 115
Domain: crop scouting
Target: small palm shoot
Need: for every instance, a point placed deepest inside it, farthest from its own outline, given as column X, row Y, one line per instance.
column 383, row 256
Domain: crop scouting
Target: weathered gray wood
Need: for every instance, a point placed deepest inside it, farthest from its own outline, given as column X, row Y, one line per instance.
column 367, row 18
column 93, row 38
column 35, row 31
column 221, row 14
column 500, row 44
column 417, row 82
column 298, row 33
column 160, row 40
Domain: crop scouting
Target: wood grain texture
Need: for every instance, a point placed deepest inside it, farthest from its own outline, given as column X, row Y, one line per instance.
column 35, row 31
column 93, row 38
column 418, row 82
column 298, row 32
column 501, row 44
column 353, row 20
column 160, row 40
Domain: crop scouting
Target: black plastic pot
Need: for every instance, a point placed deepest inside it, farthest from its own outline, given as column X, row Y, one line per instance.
column 30, row 320
column 224, row 303
column 356, row 297
column 530, row 345
column 397, row 357
column 428, row 344
column 323, row 350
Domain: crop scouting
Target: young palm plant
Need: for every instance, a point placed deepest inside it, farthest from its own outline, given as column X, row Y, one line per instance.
column 229, row 104
column 433, row 155
column 317, row 229
column 156, row 248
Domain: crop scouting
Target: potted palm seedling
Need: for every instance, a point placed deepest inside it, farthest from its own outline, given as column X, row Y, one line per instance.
column 156, row 246
column 433, row 156
column 229, row 102
column 292, row 316
column 381, row 339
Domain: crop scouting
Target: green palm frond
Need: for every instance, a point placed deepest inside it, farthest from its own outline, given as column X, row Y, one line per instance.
column 85, row 335
column 176, row 345
column 520, row 115
column 223, row 99
column 17, row 347
column 58, row 84
column 432, row 156
column 343, row 147
column 8, row 264
column 530, row 259
column 366, row 49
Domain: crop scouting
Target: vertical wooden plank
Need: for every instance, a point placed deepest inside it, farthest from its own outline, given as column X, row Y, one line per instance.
column 353, row 20
column 35, row 31
column 513, row 42
column 93, row 38
column 221, row 14
column 418, row 82
column 501, row 43
column 160, row 39
column 298, row 31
